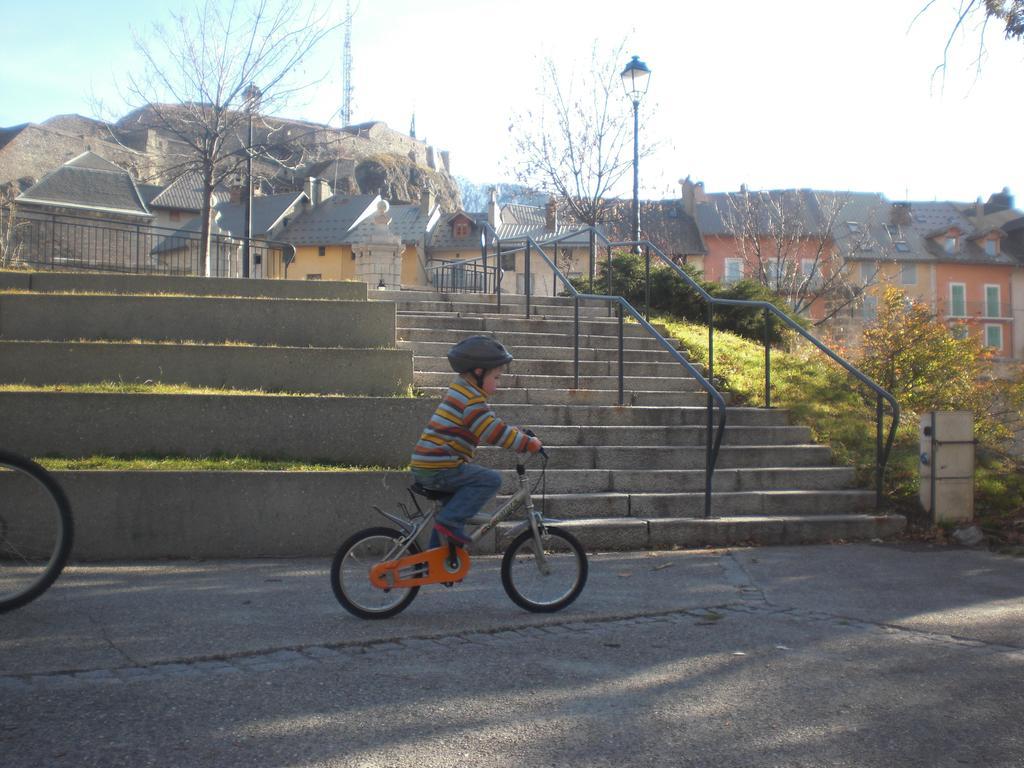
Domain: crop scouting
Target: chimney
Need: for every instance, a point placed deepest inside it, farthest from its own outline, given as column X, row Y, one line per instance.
column 698, row 193
column 551, row 215
column 236, row 192
column 323, row 190
column 979, row 207
column 426, row 202
column 493, row 214
column 899, row 214
column 311, row 188
column 689, row 196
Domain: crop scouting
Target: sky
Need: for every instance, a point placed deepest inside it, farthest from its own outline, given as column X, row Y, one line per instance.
column 826, row 94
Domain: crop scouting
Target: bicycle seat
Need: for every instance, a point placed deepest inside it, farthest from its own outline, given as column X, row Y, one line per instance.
column 429, row 494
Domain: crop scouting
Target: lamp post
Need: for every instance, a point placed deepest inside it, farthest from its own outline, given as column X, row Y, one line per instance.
column 252, row 97
column 635, row 79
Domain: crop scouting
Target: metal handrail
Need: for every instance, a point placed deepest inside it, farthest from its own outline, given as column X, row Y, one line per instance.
column 713, row 444
column 882, row 450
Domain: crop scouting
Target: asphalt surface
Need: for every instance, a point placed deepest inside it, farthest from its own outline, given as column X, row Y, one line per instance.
column 855, row 655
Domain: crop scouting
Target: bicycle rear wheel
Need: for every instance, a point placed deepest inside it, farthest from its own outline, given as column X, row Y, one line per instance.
column 525, row 581
column 36, row 530
column 350, row 575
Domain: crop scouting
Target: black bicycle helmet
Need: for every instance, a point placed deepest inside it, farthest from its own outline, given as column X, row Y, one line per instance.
column 478, row 352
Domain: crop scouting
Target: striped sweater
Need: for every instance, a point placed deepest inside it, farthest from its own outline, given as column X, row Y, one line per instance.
column 462, row 421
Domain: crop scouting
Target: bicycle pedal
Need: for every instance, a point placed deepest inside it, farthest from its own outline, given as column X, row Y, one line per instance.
column 448, row 584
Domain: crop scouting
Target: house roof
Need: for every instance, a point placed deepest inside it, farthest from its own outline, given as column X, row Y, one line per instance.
column 932, row 220
column 664, row 222
column 186, row 194
column 267, row 211
column 407, row 221
column 442, row 237
column 331, row 222
column 91, row 183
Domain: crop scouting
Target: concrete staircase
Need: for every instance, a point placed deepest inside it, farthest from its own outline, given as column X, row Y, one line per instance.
column 633, row 477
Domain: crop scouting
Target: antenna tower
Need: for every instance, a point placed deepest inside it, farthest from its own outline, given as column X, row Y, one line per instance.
column 346, row 69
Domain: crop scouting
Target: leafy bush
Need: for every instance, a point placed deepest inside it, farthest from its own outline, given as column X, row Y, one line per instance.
column 672, row 296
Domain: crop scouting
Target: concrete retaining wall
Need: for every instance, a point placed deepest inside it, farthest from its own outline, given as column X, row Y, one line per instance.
column 192, row 286
column 282, row 369
column 145, row 515
column 347, row 430
column 293, row 323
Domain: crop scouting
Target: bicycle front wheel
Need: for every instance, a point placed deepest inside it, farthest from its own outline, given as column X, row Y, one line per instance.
column 350, row 575
column 547, row 584
column 36, row 530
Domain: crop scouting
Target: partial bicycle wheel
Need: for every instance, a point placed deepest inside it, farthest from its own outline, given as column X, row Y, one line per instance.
column 350, row 575
column 547, row 585
column 36, row 530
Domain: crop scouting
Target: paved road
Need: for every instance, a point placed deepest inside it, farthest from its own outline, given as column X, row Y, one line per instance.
column 856, row 655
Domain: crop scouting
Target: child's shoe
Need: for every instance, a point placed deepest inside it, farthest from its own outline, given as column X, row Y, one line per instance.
column 457, row 536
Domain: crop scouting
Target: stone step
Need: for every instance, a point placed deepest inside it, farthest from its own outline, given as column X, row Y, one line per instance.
column 607, row 356
column 511, row 310
column 500, row 324
column 537, row 415
column 271, row 369
column 149, row 514
column 524, row 365
column 582, row 506
column 647, row 481
column 581, row 397
column 677, row 533
column 557, row 437
column 561, row 383
column 267, row 322
column 619, row 457
column 507, row 299
column 90, row 282
column 515, row 340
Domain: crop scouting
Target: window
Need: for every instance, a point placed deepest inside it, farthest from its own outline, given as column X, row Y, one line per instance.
column 959, row 331
column 870, row 308
column 957, row 300
column 810, row 272
column 733, row 271
column 508, row 262
column 991, row 247
column 853, row 226
column 313, row 277
column 321, row 251
column 950, row 245
column 773, row 272
column 908, row 274
column 903, row 247
column 868, row 272
column 992, row 303
column 461, row 229
column 994, row 336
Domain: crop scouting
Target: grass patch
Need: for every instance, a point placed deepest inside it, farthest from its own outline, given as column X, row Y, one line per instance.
column 200, row 464
column 158, row 388
column 817, row 392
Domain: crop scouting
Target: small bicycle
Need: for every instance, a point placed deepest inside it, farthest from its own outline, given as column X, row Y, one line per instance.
column 36, row 530
column 378, row 572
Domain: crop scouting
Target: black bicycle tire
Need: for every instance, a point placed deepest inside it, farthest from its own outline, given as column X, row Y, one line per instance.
column 65, row 537
column 339, row 591
column 517, row 597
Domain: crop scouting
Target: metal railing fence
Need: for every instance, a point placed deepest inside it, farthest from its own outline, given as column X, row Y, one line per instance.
column 67, row 241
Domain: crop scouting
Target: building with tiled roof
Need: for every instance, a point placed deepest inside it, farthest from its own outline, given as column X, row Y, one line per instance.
column 87, row 184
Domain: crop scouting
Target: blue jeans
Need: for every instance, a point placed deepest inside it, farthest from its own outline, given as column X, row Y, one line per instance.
column 473, row 487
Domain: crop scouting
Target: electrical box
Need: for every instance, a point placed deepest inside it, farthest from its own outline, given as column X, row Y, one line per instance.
column 947, row 465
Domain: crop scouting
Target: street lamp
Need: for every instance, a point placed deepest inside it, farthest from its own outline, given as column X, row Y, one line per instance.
column 635, row 79
column 252, row 99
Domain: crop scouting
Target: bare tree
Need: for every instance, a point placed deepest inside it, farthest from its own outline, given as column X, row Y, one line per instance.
column 1009, row 13
column 791, row 241
column 576, row 141
column 11, row 246
column 207, row 72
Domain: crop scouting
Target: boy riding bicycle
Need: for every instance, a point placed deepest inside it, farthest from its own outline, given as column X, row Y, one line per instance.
column 441, row 460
